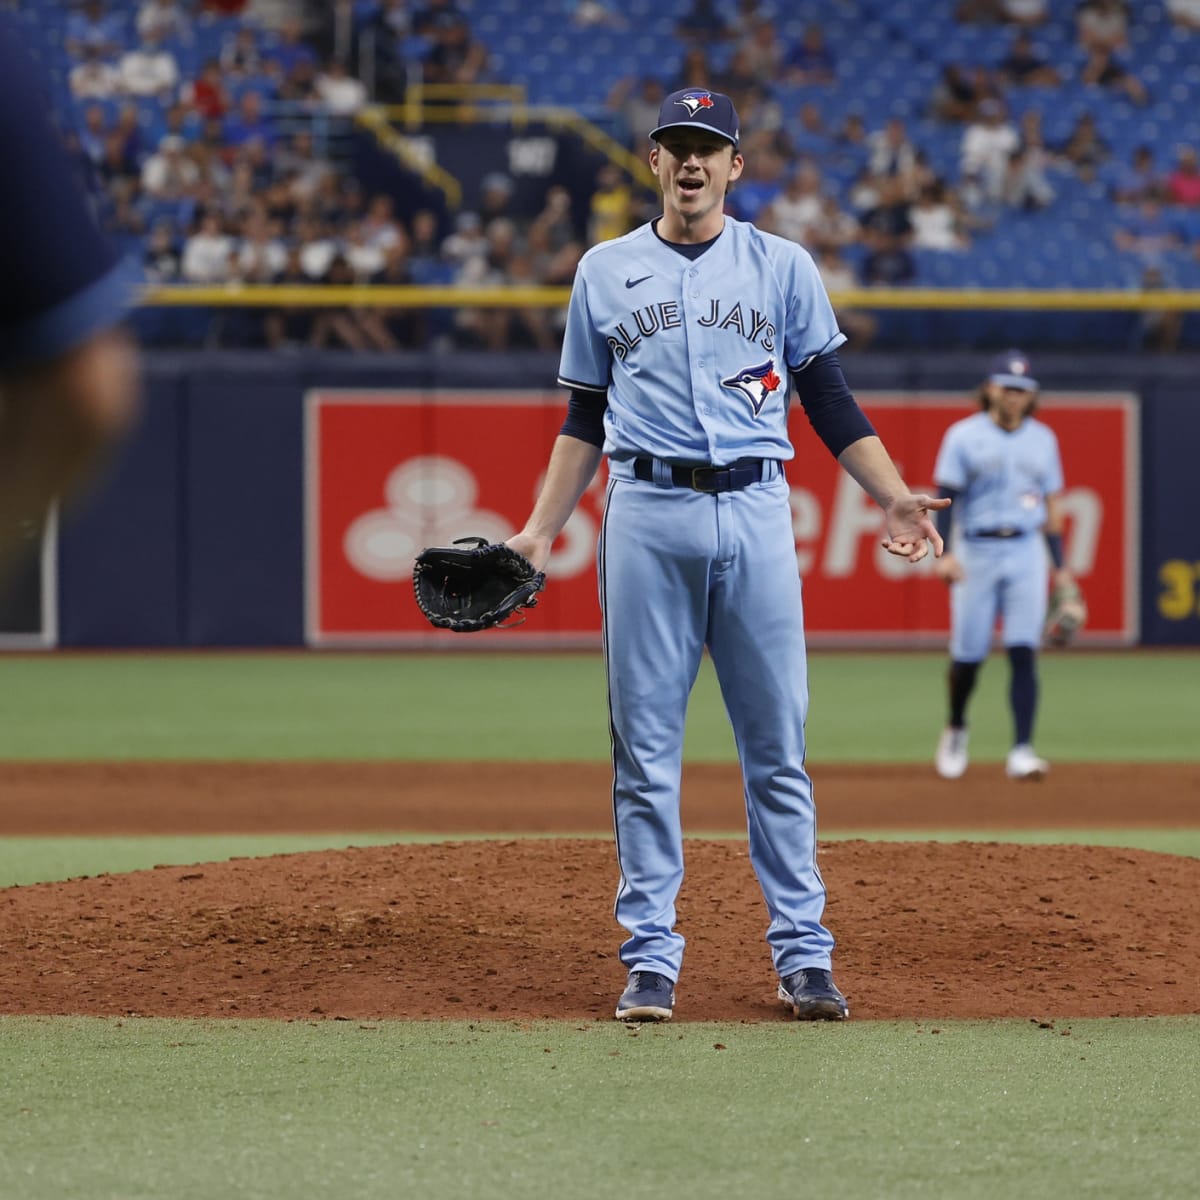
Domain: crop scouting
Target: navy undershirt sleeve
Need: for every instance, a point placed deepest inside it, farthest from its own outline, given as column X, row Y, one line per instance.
column 585, row 416
column 829, row 404
column 945, row 516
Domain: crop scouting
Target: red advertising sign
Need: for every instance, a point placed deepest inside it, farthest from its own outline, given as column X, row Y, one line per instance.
column 391, row 472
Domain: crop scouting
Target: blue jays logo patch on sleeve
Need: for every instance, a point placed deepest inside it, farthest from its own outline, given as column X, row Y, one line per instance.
column 755, row 383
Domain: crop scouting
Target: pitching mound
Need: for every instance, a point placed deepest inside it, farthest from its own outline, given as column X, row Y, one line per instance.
column 522, row 929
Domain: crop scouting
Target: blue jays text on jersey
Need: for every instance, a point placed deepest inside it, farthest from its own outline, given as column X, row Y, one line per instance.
column 696, row 372
column 646, row 322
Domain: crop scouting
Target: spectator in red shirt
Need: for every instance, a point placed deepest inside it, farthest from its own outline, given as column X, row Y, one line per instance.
column 1183, row 184
column 207, row 94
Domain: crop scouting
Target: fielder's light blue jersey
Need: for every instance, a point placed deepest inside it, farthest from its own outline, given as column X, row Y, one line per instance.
column 1003, row 478
column 695, row 356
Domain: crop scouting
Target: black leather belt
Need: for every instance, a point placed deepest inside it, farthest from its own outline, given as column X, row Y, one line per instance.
column 1007, row 531
column 706, row 478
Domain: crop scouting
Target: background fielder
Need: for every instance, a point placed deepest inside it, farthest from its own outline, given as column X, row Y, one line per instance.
column 680, row 342
column 1003, row 470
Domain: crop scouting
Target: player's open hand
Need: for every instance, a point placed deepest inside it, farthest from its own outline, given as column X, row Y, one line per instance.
column 911, row 530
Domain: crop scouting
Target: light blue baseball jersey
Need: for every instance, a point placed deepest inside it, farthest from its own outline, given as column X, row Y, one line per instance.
column 694, row 356
column 1003, row 477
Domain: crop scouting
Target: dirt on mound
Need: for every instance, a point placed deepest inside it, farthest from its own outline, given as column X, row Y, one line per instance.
column 522, row 929
column 560, row 798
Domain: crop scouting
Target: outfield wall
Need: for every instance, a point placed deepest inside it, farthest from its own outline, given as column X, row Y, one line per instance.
column 196, row 535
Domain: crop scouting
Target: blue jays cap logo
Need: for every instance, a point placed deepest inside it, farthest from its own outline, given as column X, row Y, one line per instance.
column 702, row 109
column 695, row 101
column 755, row 383
column 1012, row 370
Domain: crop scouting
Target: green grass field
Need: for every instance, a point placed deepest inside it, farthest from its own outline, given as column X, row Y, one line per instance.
column 974, row 1110
column 154, row 1108
column 1109, row 707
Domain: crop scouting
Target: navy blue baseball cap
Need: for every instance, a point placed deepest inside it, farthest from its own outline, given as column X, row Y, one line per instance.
column 1012, row 369
column 698, row 108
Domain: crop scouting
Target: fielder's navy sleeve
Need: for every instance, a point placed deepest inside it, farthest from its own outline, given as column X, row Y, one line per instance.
column 585, row 417
column 61, row 279
column 945, row 516
column 830, row 406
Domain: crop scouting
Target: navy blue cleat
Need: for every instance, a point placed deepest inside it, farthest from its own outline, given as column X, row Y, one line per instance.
column 812, row 995
column 648, row 996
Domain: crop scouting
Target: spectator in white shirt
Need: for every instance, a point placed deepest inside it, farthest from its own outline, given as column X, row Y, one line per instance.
column 94, row 79
column 339, row 92
column 797, row 208
column 1025, row 12
column 936, row 224
column 379, row 226
column 207, row 253
column 261, row 256
column 987, row 146
column 168, row 174
column 317, row 249
column 366, row 258
column 164, row 18
column 1185, row 14
column 149, row 70
column 1102, row 24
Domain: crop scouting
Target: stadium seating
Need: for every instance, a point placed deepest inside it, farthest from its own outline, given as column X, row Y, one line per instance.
column 889, row 54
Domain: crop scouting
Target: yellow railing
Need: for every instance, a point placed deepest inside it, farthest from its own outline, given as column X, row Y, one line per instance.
column 456, row 102
column 475, row 103
column 376, row 122
column 363, row 295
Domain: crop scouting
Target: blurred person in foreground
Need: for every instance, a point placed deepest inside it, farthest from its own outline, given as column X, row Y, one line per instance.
column 67, row 374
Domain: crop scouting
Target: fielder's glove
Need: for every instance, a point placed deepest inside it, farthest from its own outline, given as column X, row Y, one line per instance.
column 1067, row 613
column 474, row 585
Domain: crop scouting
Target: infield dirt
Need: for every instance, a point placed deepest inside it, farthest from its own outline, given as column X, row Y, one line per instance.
column 523, row 928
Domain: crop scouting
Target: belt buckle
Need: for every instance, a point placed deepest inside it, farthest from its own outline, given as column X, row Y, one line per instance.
column 695, row 484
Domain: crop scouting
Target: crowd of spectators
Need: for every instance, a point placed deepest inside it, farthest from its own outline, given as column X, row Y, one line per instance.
column 221, row 190
column 217, row 174
column 896, row 202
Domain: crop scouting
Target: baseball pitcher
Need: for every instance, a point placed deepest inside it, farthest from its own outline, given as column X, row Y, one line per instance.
column 684, row 341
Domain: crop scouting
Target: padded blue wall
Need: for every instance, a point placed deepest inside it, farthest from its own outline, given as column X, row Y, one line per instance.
column 194, row 534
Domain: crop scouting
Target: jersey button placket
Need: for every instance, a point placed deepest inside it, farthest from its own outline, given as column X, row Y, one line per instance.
column 699, row 341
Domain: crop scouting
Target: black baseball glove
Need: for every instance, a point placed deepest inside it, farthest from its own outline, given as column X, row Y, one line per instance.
column 474, row 584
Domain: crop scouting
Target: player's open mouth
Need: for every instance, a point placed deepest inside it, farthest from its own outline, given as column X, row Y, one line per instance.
column 691, row 185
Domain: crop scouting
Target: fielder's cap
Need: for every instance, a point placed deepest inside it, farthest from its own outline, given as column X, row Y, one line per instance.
column 1012, row 369
column 698, row 108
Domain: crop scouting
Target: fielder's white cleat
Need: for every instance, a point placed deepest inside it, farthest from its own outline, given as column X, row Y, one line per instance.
column 951, row 758
column 1022, row 763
